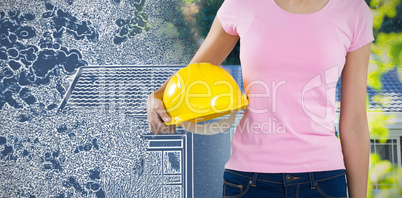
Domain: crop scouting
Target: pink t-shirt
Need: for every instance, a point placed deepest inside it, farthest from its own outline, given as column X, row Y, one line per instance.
column 291, row 64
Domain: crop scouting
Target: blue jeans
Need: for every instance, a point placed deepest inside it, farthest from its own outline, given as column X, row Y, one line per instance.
column 328, row 184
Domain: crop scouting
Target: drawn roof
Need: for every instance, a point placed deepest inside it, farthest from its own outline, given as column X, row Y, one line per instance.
column 127, row 88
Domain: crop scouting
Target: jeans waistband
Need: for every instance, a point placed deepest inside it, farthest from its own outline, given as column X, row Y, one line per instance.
column 289, row 178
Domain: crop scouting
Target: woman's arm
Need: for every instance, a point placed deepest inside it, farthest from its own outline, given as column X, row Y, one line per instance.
column 353, row 125
column 215, row 48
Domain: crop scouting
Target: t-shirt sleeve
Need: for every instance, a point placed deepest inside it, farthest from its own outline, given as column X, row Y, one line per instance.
column 227, row 15
column 363, row 27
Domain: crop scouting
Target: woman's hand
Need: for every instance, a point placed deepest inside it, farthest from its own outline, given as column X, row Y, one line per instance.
column 157, row 115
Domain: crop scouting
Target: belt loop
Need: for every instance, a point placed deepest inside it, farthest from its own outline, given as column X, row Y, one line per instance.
column 311, row 180
column 254, row 179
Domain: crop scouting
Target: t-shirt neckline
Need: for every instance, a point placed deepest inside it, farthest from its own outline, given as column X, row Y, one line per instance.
column 301, row 15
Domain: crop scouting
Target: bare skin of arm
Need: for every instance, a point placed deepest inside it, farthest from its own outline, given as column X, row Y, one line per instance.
column 353, row 124
column 215, row 48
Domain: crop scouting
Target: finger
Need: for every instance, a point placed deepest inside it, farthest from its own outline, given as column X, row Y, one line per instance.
column 161, row 111
column 157, row 126
column 153, row 123
column 161, row 127
column 152, row 128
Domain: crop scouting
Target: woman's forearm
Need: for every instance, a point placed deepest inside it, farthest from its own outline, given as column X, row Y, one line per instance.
column 356, row 151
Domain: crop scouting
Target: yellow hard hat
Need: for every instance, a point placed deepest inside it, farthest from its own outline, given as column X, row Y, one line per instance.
column 200, row 92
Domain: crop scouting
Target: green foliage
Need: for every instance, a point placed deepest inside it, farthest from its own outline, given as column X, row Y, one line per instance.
column 172, row 27
column 204, row 19
column 386, row 51
column 387, row 47
column 378, row 128
column 168, row 31
column 190, row 1
column 387, row 176
column 207, row 14
column 382, row 9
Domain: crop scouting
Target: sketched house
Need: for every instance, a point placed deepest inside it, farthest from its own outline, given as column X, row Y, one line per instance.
column 126, row 88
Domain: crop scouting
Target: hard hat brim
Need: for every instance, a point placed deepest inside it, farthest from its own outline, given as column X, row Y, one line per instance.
column 207, row 116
